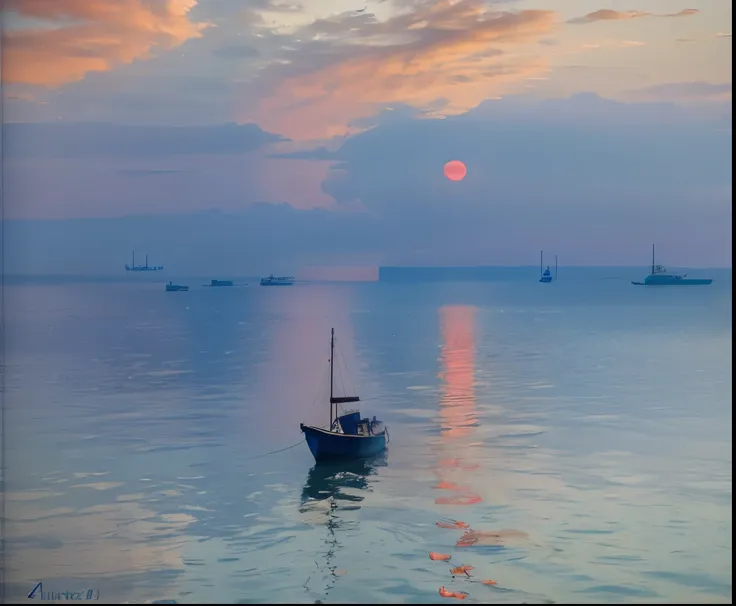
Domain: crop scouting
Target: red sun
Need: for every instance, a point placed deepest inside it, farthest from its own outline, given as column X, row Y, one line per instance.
column 455, row 170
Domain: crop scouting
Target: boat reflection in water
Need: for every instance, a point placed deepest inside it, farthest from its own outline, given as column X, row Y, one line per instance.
column 330, row 496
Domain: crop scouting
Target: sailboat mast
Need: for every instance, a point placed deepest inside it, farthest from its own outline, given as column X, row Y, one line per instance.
column 541, row 262
column 133, row 259
column 332, row 366
column 146, row 260
column 555, row 267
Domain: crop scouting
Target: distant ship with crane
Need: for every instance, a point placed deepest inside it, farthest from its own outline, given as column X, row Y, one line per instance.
column 146, row 267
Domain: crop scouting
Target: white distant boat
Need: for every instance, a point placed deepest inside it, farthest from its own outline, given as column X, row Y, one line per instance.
column 277, row 281
column 661, row 277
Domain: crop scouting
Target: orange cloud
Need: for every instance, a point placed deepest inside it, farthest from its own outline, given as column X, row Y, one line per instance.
column 611, row 15
column 82, row 36
column 448, row 57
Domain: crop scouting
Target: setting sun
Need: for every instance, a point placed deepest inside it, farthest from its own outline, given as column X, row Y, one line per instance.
column 455, row 170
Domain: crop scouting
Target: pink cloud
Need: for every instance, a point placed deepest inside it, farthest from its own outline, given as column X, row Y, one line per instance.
column 456, row 52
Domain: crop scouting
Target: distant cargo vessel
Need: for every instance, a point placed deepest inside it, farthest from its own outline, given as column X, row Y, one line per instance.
column 277, row 281
column 145, row 267
column 221, row 283
column 661, row 277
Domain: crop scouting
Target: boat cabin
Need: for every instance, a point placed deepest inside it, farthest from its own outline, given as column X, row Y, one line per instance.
column 350, row 423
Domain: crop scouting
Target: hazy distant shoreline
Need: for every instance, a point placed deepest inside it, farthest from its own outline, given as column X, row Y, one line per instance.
column 388, row 274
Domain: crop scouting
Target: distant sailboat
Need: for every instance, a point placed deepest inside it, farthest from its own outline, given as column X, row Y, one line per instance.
column 146, row 267
column 546, row 275
column 661, row 277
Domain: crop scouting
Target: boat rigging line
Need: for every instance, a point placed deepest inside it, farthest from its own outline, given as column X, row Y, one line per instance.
column 266, row 454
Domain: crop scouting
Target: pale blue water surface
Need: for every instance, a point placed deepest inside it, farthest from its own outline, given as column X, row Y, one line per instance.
column 589, row 420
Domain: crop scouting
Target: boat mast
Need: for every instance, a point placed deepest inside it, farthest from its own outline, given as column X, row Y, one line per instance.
column 146, row 260
column 652, row 258
column 555, row 267
column 541, row 262
column 133, row 259
column 332, row 366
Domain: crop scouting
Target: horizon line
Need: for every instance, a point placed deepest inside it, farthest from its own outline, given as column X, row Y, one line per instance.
column 254, row 276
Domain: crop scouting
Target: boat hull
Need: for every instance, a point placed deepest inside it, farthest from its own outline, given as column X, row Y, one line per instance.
column 681, row 282
column 329, row 446
column 127, row 268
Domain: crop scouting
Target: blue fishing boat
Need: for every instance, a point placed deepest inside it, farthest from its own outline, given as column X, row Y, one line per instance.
column 348, row 436
column 546, row 275
column 661, row 277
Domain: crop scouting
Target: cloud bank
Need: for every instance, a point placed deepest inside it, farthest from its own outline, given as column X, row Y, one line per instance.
column 71, row 38
column 442, row 58
column 583, row 173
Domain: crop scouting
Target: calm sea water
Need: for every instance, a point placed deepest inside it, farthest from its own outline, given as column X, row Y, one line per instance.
column 581, row 429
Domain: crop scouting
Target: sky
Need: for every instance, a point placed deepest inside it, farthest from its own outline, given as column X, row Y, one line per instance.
column 279, row 135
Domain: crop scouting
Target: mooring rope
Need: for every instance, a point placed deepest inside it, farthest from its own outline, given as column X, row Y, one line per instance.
column 265, row 454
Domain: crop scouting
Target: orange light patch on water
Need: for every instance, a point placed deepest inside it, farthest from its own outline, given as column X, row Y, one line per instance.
column 457, row 421
column 470, row 499
column 458, row 371
column 446, row 593
column 454, row 525
column 442, row 557
column 457, row 406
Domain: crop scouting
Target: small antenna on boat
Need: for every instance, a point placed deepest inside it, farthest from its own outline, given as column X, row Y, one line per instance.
column 652, row 258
